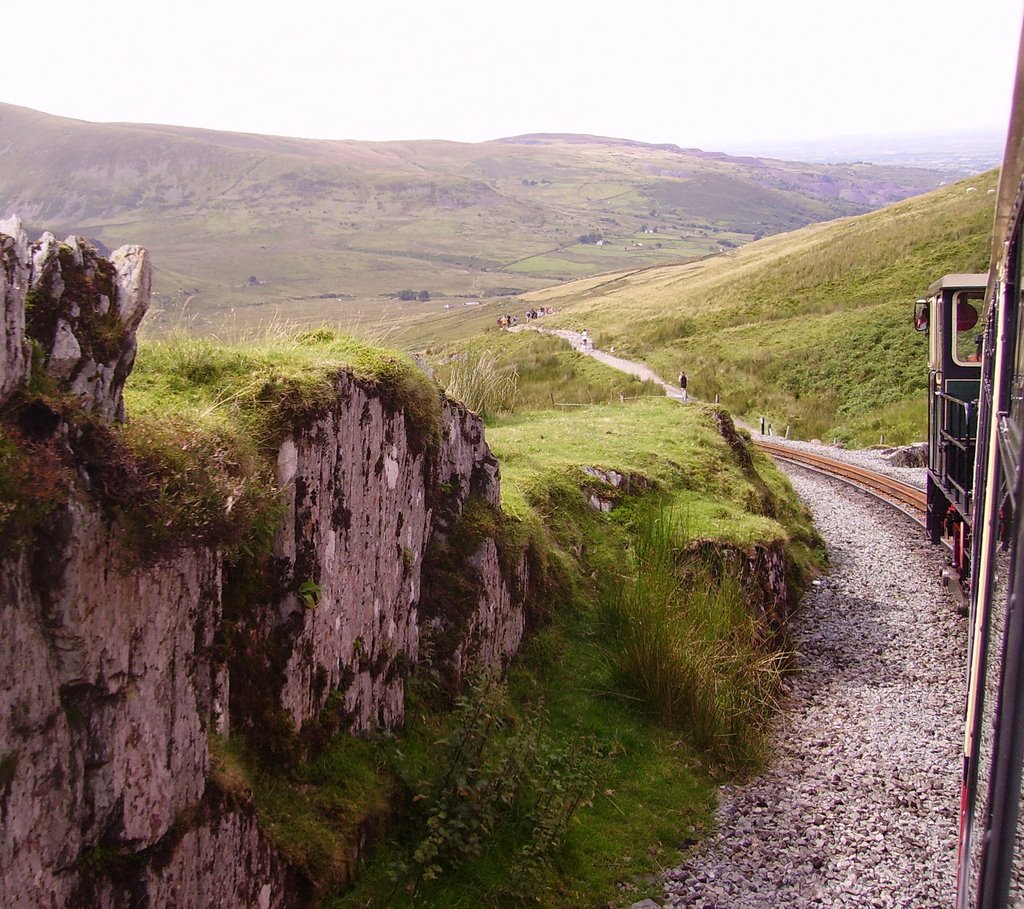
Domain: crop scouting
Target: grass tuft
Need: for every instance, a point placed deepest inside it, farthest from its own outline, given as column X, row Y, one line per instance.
column 482, row 385
column 682, row 639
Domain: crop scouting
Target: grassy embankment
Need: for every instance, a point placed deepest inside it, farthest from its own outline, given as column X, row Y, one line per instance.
column 648, row 682
column 650, row 660
column 810, row 329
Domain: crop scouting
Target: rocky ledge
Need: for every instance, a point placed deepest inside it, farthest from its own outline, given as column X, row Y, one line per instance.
column 119, row 674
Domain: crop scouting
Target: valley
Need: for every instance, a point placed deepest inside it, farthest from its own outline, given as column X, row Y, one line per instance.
column 248, row 229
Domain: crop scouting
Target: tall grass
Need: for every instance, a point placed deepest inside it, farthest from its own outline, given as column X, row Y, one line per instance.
column 682, row 640
column 482, row 385
column 540, row 371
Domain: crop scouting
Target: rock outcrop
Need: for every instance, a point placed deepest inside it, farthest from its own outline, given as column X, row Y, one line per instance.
column 360, row 517
column 117, row 674
column 79, row 307
column 15, row 355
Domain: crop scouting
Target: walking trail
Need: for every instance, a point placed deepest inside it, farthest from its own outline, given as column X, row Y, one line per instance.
column 640, row 370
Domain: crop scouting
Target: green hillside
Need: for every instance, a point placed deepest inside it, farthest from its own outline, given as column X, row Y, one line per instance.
column 246, row 228
column 809, row 329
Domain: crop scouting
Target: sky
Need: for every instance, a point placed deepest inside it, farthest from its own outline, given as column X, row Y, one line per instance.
column 707, row 74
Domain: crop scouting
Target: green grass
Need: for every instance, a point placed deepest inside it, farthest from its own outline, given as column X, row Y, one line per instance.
column 262, row 390
column 528, row 371
column 810, row 329
column 195, row 462
column 668, row 449
column 653, row 791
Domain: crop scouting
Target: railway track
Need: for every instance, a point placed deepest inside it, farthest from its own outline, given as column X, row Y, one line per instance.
column 909, row 499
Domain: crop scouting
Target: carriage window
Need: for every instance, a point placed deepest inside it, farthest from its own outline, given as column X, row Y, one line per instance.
column 968, row 334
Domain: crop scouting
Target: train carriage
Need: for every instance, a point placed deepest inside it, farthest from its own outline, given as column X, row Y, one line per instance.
column 950, row 314
column 976, row 442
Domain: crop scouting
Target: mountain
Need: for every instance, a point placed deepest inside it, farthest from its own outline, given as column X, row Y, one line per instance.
column 245, row 226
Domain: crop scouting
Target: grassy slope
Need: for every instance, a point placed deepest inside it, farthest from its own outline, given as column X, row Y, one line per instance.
column 812, row 328
column 655, row 788
column 361, row 220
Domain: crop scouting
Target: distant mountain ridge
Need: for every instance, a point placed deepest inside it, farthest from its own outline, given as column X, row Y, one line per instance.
column 243, row 225
column 584, row 139
column 958, row 151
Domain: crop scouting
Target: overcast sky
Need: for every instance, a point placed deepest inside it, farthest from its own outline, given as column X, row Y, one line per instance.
column 707, row 74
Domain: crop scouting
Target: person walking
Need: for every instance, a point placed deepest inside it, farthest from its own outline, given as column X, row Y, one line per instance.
column 682, row 384
column 586, row 339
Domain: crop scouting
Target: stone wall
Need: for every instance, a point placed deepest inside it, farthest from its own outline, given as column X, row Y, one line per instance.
column 116, row 675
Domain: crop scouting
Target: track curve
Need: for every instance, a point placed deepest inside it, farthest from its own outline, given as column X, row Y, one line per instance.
column 909, row 499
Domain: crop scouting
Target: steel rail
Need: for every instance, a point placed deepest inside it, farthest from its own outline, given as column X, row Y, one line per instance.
column 909, row 499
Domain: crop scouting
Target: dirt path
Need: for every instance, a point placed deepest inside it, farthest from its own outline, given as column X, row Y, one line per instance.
column 640, row 370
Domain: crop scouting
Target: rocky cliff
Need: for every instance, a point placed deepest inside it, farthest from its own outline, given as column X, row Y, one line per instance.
column 117, row 671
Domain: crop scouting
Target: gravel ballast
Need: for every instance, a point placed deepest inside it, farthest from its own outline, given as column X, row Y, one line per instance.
column 859, row 804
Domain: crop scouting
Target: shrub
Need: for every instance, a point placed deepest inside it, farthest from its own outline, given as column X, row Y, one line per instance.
column 499, row 772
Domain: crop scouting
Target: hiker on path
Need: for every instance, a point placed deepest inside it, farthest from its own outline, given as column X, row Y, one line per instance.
column 586, row 339
column 682, row 383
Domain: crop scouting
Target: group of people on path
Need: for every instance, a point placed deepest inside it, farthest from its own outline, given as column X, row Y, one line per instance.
column 507, row 321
